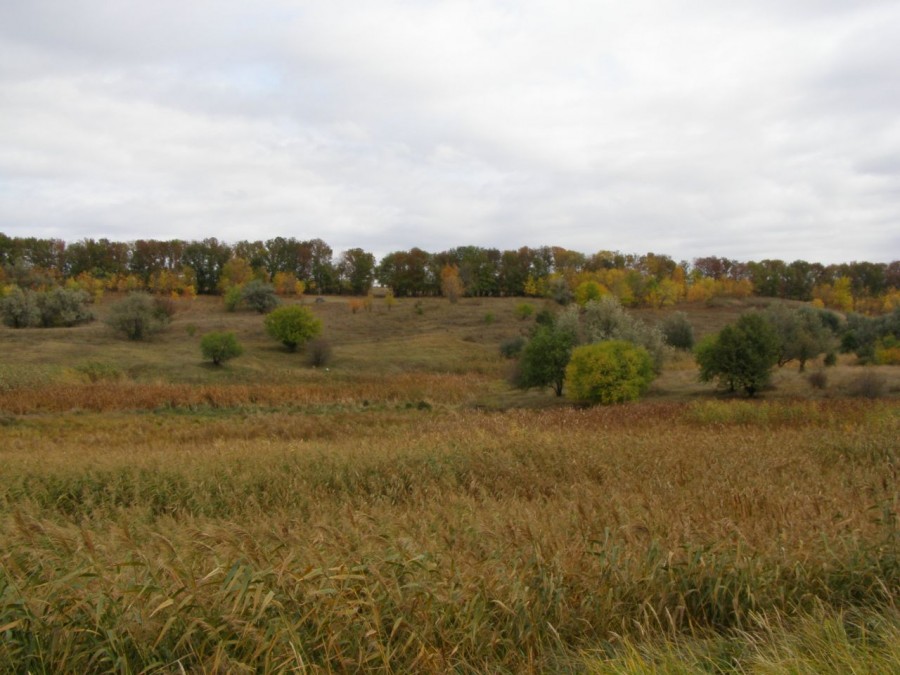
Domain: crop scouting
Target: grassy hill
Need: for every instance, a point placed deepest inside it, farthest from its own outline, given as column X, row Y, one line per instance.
column 404, row 510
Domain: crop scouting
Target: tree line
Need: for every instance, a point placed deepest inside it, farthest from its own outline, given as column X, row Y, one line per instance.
column 210, row 266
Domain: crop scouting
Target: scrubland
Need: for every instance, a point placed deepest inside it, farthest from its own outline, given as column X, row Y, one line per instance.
column 403, row 511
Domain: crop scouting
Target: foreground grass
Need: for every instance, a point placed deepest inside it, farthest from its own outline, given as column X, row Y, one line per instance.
column 265, row 534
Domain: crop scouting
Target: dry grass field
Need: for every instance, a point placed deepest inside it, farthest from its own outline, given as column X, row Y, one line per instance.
column 404, row 511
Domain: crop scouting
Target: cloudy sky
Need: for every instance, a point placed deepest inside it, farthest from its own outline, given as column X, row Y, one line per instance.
column 747, row 128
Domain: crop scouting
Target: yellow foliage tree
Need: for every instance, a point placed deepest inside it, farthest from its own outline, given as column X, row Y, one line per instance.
column 451, row 285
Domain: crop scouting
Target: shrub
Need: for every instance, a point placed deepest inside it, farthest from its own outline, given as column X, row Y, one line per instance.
column 887, row 351
column 220, row 347
column 232, row 298
column 558, row 289
column 742, row 355
column 608, row 372
column 606, row 319
column 868, row 384
column 544, row 318
column 318, row 353
column 818, row 379
column 136, row 317
column 63, row 307
column 19, row 309
column 259, row 296
column 678, row 332
column 511, row 348
column 489, row 318
column 292, row 326
column 524, row 310
column 58, row 307
column 164, row 307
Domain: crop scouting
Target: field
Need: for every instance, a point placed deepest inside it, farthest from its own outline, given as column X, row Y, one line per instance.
column 404, row 510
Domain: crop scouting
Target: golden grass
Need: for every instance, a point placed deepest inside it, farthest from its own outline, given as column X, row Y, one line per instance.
column 402, row 539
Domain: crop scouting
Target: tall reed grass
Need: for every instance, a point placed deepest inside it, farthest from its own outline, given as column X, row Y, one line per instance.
column 400, row 539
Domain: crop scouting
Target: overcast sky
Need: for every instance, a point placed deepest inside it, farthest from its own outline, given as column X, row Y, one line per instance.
column 744, row 128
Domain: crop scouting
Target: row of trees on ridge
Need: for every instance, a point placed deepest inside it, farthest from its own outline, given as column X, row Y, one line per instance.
column 296, row 266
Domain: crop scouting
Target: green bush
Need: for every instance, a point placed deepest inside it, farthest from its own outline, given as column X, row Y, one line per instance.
column 511, row 348
column 137, row 317
column 232, row 298
column 220, row 347
column 524, row 310
column 259, row 296
column 292, row 325
column 61, row 307
column 58, row 307
column 678, row 332
column 608, row 372
column 19, row 309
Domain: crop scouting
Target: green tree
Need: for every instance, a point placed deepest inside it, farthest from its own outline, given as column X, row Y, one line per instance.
column 742, row 355
column 292, row 325
column 607, row 372
column 801, row 333
column 544, row 358
column 220, row 347
column 137, row 317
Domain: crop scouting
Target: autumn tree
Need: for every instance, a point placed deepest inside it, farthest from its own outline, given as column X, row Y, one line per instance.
column 607, row 372
column 451, row 285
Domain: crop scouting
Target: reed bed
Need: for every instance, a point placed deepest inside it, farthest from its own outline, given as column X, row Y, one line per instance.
column 313, row 389
column 642, row 538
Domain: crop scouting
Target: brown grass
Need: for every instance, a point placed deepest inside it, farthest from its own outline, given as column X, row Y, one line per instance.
column 408, row 539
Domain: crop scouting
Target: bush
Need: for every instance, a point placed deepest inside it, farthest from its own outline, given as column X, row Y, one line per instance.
column 742, row 355
column 58, row 307
column 137, row 317
column 259, row 296
column 606, row 319
column 63, row 307
column 523, row 310
column 318, row 353
column 232, row 298
column 608, row 372
column 220, row 347
column 678, row 332
column 19, row 309
column 164, row 307
column 292, row 326
column 868, row 384
column 818, row 379
column 511, row 348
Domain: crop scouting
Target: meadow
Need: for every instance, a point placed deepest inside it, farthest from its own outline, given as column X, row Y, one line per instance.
column 404, row 510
